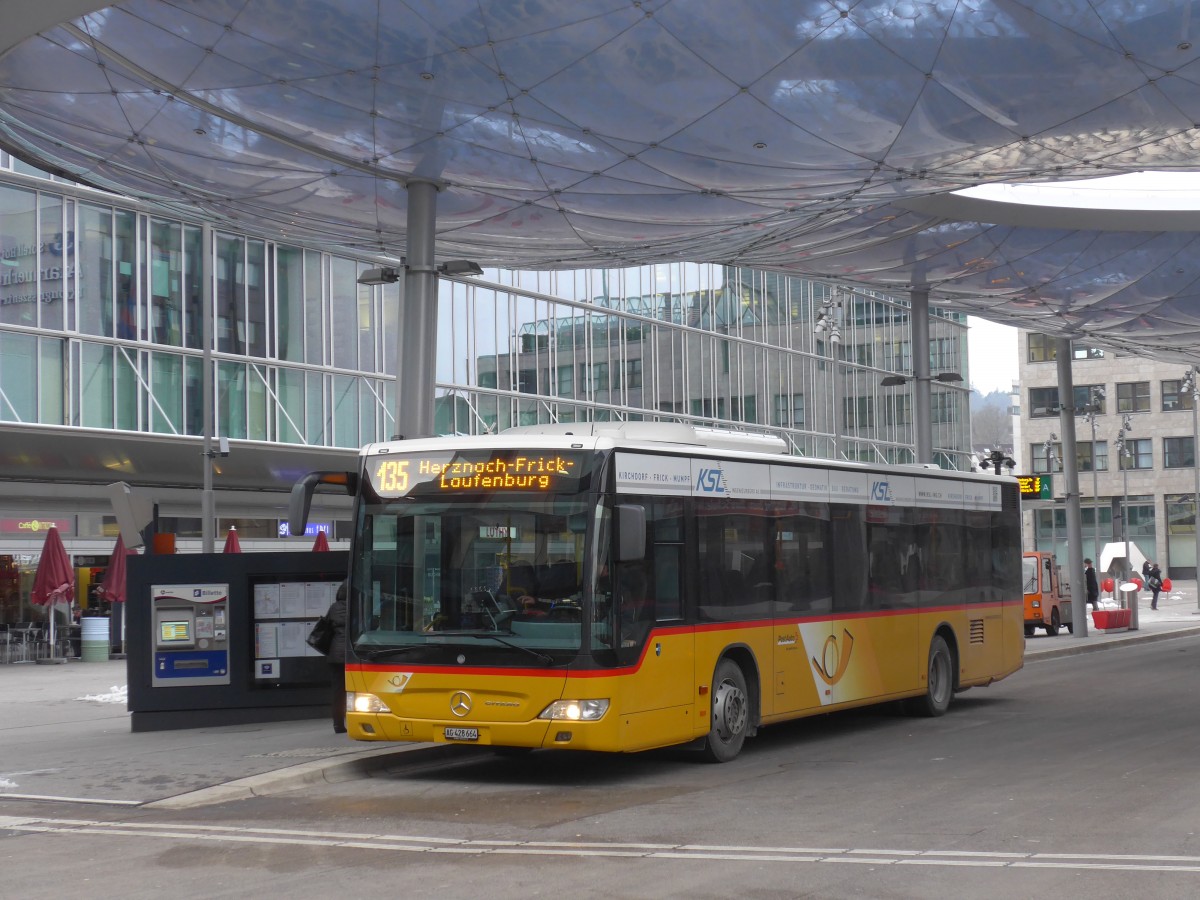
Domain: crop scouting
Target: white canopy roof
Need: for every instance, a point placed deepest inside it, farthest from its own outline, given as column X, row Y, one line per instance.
column 807, row 137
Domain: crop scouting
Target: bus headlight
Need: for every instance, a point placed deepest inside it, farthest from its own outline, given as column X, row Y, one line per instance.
column 364, row 703
column 575, row 710
column 1036, row 604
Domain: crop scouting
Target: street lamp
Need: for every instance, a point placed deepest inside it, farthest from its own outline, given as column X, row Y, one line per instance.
column 1191, row 386
column 922, row 398
column 827, row 323
column 1123, row 454
column 1094, row 407
column 897, row 380
column 1049, row 447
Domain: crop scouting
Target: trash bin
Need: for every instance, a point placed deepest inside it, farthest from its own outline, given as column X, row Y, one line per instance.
column 95, row 638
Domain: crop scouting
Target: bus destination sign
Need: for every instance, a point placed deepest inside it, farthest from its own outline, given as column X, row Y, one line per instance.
column 475, row 472
column 1036, row 487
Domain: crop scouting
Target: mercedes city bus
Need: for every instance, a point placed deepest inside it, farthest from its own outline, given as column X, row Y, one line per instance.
column 625, row 586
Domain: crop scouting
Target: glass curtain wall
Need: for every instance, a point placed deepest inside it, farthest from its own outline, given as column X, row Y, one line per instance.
column 101, row 326
column 709, row 345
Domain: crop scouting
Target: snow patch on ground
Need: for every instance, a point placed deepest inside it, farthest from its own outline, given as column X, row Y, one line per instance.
column 115, row 695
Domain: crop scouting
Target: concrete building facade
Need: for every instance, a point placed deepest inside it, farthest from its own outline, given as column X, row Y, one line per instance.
column 1149, row 486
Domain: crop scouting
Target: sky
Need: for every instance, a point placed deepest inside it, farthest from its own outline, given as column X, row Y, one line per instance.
column 993, row 355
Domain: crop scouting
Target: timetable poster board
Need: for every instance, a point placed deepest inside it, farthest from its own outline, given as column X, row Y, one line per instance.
column 284, row 614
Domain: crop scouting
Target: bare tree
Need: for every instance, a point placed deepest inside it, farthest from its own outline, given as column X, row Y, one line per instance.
column 991, row 426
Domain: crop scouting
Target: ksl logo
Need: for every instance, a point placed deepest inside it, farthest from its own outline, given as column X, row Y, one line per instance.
column 711, row 481
column 881, row 492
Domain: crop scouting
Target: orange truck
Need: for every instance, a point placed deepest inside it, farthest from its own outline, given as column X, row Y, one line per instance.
column 1047, row 597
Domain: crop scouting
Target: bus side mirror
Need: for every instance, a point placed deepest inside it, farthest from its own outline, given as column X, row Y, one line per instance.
column 631, row 533
column 302, row 491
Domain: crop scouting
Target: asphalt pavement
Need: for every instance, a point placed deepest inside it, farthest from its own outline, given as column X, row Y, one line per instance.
column 65, row 732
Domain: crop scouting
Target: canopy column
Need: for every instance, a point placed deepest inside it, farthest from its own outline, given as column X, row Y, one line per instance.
column 416, row 326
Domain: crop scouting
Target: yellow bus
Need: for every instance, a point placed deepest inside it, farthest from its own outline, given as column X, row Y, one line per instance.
column 627, row 586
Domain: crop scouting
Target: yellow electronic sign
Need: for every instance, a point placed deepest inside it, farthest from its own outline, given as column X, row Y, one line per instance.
column 1036, row 487
column 483, row 471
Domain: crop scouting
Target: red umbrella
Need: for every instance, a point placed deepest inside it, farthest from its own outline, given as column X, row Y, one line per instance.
column 113, row 585
column 232, row 545
column 54, row 581
column 112, row 588
column 321, row 544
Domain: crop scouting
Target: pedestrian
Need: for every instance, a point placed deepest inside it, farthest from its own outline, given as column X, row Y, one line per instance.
column 1154, row 582
column 336, row 658
column 1093, row 587
column 1145, row 571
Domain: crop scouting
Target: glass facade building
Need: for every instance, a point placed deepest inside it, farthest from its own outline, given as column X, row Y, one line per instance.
column 102, row 361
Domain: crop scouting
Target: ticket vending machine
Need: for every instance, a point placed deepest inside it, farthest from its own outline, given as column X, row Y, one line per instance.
column 190, row 634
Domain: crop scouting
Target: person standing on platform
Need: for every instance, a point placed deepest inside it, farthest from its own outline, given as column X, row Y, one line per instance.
column 1154, row 583
column 336, row 658
column 1093, row 587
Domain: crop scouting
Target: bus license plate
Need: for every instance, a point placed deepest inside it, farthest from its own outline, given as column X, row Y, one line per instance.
column 462, row 734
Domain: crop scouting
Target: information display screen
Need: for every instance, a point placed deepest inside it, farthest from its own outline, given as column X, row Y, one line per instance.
column 1035, row 487
column 481, row 471
column 178, row 632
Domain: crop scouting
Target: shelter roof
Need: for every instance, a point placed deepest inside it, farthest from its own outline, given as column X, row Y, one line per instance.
column 804, row 137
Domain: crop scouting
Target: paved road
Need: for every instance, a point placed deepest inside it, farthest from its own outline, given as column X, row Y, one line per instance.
column 1076, row 777
column 65, row 732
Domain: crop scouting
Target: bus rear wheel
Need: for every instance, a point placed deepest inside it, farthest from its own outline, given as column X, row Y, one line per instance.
column 940, row 686
column 730, row 716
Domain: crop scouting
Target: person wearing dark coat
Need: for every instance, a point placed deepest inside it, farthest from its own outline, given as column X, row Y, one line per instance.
column 1093, row 587
column 1154, row 582
column 336, row 658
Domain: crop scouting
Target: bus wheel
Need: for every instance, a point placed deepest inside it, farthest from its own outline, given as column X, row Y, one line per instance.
column 1052, row 628
column 1028, row 631
column 730, row 713
column 936, row 699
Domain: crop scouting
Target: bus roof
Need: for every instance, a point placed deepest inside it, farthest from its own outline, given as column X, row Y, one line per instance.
column 660, row 437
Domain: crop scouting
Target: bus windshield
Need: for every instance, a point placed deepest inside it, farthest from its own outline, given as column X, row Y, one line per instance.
column 505, row 571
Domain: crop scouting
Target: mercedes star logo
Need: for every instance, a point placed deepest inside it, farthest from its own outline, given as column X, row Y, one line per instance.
column 460, row 703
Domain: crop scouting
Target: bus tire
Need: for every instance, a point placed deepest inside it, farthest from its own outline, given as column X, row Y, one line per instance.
column 1052, row 628
column 1028, row 631
column 939, row 688
column 730, row 713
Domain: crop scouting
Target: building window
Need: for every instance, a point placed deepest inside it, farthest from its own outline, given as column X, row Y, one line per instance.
column 600, row 377
column 527, row 381
column 1043, row 402
column 1141, row 455
column 1181, row 513
column 1084, row 399
column 1179, row 453
column 944, row 408
column 789, row 410
column 566, row 381
column 1041, row 348
column 1173, row 397
column 1037, row 452
column 1085, row 456
column 633, row 373
column 1133, row 396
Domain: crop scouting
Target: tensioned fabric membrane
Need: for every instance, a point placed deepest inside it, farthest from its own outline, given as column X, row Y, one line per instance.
column 820, row 138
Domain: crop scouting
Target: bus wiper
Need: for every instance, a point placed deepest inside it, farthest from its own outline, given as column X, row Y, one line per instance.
column 390, row 651
column 543, row 658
